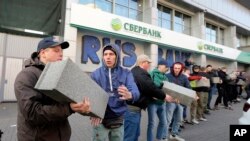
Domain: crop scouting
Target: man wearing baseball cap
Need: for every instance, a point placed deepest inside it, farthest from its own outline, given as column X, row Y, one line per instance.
column 40, row 117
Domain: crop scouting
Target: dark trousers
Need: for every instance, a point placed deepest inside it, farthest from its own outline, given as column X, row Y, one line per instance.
column 222, row 94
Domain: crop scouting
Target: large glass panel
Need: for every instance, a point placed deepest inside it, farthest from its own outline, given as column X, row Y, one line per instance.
column 159, row 22
column 166, row 24
column 166, row 14
column 133, row 14
column 121, row 10
column 178, row 18
column 159, row 14
column 135, row 4
column 122, row 2
column 86, row 1
column 221, row 36
column 187, row 24
column 178, row 27
column 104, row 5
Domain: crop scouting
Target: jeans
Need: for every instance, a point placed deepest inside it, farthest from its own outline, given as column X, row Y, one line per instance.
column 101, row 133
column 210, row 95
column 160, row 111
column 174, row 114
column 132, row 126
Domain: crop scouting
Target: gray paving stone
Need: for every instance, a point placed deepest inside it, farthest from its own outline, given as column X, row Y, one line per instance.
column 64, row 81
column 184, row 95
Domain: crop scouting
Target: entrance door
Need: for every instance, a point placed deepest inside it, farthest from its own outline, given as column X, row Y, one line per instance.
column 13, row 67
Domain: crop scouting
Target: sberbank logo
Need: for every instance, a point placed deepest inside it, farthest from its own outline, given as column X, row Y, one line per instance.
column 207, row 47
column 116, row 24
column 200, row 46
column 135, row 28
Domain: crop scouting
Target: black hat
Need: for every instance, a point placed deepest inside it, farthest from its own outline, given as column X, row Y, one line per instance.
column 163, row 62
column 50, row 42
column 109, row 47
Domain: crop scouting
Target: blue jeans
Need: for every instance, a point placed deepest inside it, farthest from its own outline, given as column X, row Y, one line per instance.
column 160, row 111
column 174, row 114
column 132, row 126
column 101, row 133
column 212, row 92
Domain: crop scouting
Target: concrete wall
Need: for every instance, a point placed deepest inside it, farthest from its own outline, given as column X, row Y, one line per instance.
column 226, row 9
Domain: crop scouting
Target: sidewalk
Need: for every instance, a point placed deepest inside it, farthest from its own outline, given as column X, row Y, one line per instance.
column 215, row 129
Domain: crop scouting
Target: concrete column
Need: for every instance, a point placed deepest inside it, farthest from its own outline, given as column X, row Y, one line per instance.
column 200, row 59
column 150, row 16
column 150, row 12
column 198, row 25
column 248, row 41
column 70, row 33
column 230, row 36
column 232, row 66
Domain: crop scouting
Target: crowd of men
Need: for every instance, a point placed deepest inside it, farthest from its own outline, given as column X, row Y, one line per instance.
column 130, row 92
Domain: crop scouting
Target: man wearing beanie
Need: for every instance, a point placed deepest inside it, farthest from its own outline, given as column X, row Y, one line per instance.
column 119, row 84
column 157, row 107
column 39, row 117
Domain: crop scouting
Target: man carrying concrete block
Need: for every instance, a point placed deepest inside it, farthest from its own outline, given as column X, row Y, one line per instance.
column 40, row 117
column 65, row 82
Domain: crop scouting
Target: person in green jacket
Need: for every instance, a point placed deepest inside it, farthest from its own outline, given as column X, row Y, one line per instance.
column 157, row 107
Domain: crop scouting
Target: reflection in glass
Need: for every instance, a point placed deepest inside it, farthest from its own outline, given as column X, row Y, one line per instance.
column 104, row 5
column 122, row 2
column 121, row 10
column 86, row 1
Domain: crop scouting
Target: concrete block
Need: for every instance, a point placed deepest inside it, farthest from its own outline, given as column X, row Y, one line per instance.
column 203, row 83
column 216, row 80
column 184, row 95
column 65, row 82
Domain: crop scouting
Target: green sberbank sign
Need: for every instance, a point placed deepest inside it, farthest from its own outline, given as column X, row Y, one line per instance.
column 117, row 25
column 211, row 48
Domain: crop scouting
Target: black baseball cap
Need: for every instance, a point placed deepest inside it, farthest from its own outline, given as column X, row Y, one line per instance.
column 50, row 42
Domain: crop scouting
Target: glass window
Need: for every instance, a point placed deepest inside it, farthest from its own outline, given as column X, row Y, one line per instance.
column 86, row 1
column 221, row 36
column 122, row 2
column 211, row 33
column 121, row 10
column 135, row 4
column 182, row 23
column 129, row 8
column 164, row 17
column 105, row 5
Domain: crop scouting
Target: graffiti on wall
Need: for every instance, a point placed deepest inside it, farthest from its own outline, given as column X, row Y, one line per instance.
column 92, row 44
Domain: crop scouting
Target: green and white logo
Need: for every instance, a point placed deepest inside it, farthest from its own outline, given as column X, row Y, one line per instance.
column 116, row 24
column 210, row 48
column 200, row 46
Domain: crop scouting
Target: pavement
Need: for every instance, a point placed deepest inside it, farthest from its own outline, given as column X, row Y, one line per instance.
column 215, row 129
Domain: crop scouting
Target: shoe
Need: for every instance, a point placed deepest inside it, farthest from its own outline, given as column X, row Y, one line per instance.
column 176, row 137
column 182, row 126
column 203, row 119
column 229, row 108
column 216, row 107
column 207, row 112
column 195, row 121
column 209, row 108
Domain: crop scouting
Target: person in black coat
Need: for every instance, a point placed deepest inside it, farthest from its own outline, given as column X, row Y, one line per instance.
column 148, row 91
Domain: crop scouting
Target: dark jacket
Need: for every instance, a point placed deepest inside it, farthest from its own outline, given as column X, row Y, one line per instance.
column 224, row 77
column 39, row 118
column 147, row 88
column 119, row 76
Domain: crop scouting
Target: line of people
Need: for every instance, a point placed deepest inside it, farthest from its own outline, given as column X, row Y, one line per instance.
column 130, row 92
